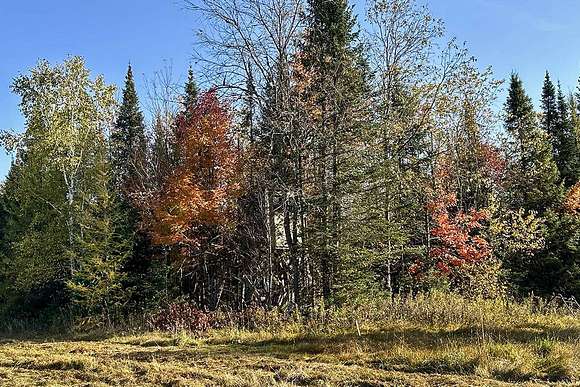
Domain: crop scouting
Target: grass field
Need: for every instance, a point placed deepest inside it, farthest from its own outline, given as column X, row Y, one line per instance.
column 411, row 345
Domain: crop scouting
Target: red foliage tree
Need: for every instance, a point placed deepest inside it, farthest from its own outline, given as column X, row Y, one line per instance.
column 492, row 164
column 199, row 197
column 455, row 236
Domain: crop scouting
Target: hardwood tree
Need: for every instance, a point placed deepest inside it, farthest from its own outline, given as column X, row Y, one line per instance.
column 196, row 206
column 54, row 177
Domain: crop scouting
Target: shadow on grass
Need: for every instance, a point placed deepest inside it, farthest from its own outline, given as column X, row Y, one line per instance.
column 307, row 348
column 71, row 337
column 421, row 338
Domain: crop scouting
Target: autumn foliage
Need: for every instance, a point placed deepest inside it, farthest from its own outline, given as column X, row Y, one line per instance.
column 199, row 196
column 572, row 201
column 455, row 236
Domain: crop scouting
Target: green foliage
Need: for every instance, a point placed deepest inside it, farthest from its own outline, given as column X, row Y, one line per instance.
column 129, row 182
column 557, row 268
column 517, row 237
column 533, row 175
column 334, row 83
column 191, row 91
column 128, row 142
column 53, row 178
column 97, row 286
column 558, row 123
column 550, row 106
column 566, row 142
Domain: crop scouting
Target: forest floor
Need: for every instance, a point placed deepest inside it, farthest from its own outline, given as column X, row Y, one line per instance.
column 400, row 354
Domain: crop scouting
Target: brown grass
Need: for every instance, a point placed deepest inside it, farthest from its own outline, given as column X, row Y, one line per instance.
column 420, row 347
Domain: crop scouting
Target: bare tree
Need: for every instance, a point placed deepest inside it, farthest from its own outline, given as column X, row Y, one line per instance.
column 245, row 50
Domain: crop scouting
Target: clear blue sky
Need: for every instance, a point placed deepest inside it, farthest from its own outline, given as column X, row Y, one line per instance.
column 529, row 36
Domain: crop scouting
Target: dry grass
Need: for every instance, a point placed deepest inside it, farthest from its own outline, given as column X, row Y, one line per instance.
column 492, row 348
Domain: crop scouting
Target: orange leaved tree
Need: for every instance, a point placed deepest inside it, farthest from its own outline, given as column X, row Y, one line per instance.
column 196, row 205
column 572, row 200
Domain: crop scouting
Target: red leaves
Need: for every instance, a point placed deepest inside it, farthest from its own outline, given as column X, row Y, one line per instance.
column 493, row 164
column 200, row 193
column 455, row 235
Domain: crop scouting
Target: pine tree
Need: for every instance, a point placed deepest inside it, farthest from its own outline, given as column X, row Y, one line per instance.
column 98, row 286
column 533, row 174
column 533, row 182
column 565, row 142
column 129, row 169
column 335, row 81
column 549, row 106
column 249, row 108
column 128, row 141
column 191, row 90
column 171, row 139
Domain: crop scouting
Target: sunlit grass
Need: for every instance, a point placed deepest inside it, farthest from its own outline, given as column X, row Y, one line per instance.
column 438, row 340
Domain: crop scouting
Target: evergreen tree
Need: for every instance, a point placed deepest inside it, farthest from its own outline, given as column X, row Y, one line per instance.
column 534, row 184
column 249, row 108
column 533, row 174
column 167, row 141
column 129, row 169
column 550, row 108
column 335, row 83
column 565, row 143
column 128, row 141
column 98, row 287
column 191, row 90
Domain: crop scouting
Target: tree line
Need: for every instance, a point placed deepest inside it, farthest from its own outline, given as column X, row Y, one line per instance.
column 324, row 163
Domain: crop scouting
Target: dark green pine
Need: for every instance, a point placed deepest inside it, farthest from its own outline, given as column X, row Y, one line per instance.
column 565, row 143
column 128, row 140
column 535, row 178
column 191, row 90
column 549, row 106
column 518, row 107
column 330, row 33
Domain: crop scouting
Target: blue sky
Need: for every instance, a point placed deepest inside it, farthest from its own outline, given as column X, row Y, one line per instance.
column 529, row 36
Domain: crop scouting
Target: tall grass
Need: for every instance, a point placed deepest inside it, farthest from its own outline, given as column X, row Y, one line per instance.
column 442, row 335
column 428, row 310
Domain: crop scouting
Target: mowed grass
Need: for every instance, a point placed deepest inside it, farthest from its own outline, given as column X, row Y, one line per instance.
column 411, row 349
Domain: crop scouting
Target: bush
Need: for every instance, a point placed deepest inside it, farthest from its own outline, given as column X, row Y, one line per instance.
column 180, row 316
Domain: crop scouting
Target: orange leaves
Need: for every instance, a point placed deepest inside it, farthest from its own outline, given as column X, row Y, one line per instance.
column 455, row 235
column 199, row 197
column 572, row 201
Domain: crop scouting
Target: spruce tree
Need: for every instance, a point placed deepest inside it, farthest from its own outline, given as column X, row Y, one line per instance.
column 533, row 174
column 191, row 90
column 128, row 140
column 565, row 143
column 335, row 85
column 556, row 122
column 533, row 179
column 97, row 287
column 128, row 148
column 549, row 107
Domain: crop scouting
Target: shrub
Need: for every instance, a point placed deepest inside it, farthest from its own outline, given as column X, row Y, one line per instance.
column 180, row 316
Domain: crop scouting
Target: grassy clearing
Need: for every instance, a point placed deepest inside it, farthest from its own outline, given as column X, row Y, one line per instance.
column 416, row 342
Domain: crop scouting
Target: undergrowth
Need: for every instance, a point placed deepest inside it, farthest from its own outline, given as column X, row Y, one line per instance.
column 436, row 338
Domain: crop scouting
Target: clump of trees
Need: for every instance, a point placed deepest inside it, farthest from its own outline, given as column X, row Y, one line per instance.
column 324, row 163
